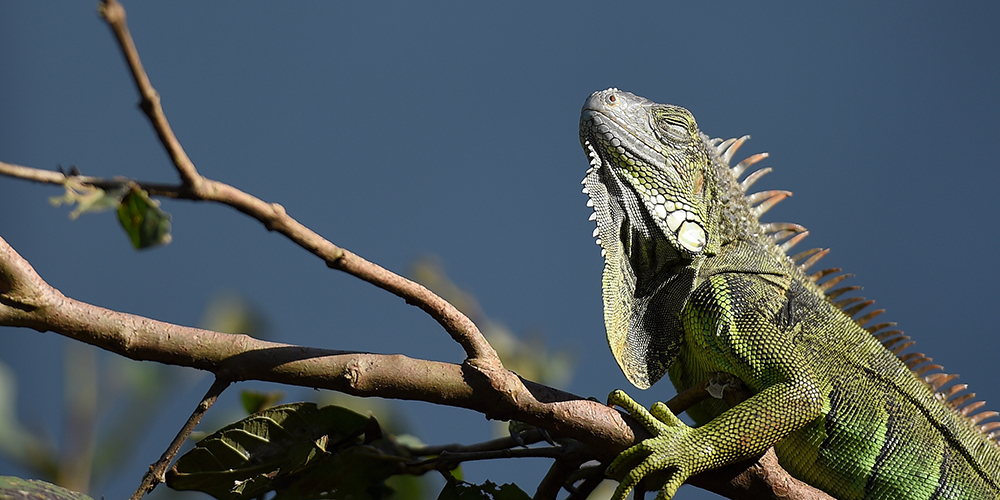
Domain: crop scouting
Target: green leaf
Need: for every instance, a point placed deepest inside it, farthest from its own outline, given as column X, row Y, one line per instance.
column 299, row 451
column 15, row 488
column 141, row 217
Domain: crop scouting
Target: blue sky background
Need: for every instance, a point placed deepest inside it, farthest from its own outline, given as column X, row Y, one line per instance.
column 403, row 129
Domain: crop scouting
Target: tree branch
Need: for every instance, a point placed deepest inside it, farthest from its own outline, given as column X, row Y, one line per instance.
column 273, row 216
column 26, row 300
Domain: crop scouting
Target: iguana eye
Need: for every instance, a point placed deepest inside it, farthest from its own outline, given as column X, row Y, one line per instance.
column 671, row 129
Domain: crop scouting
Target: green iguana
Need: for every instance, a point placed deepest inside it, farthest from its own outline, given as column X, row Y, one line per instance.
column 694, row 286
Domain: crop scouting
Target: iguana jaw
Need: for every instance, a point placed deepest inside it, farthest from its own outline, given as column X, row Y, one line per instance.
column 660, row 163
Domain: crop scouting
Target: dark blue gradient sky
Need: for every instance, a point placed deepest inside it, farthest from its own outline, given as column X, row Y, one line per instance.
column 401, row 129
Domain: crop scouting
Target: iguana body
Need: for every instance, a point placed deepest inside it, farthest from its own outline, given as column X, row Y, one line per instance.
column 694, row 285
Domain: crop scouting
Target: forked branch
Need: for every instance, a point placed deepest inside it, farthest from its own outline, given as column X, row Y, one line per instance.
column 194, row 186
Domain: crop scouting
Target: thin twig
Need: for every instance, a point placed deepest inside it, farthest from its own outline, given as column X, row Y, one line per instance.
column 156, row 473
column 528, row 437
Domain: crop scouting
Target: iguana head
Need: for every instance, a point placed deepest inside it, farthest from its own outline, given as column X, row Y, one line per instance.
column 656, row 152
column 653, row 187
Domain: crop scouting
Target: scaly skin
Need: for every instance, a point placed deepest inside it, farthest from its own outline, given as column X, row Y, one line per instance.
column 694, row 285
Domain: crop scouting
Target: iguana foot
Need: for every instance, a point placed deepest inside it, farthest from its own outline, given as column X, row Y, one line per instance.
column 670, row 451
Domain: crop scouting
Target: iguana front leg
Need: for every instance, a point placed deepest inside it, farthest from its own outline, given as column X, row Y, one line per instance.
column 679, row 451
column 729, row 327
